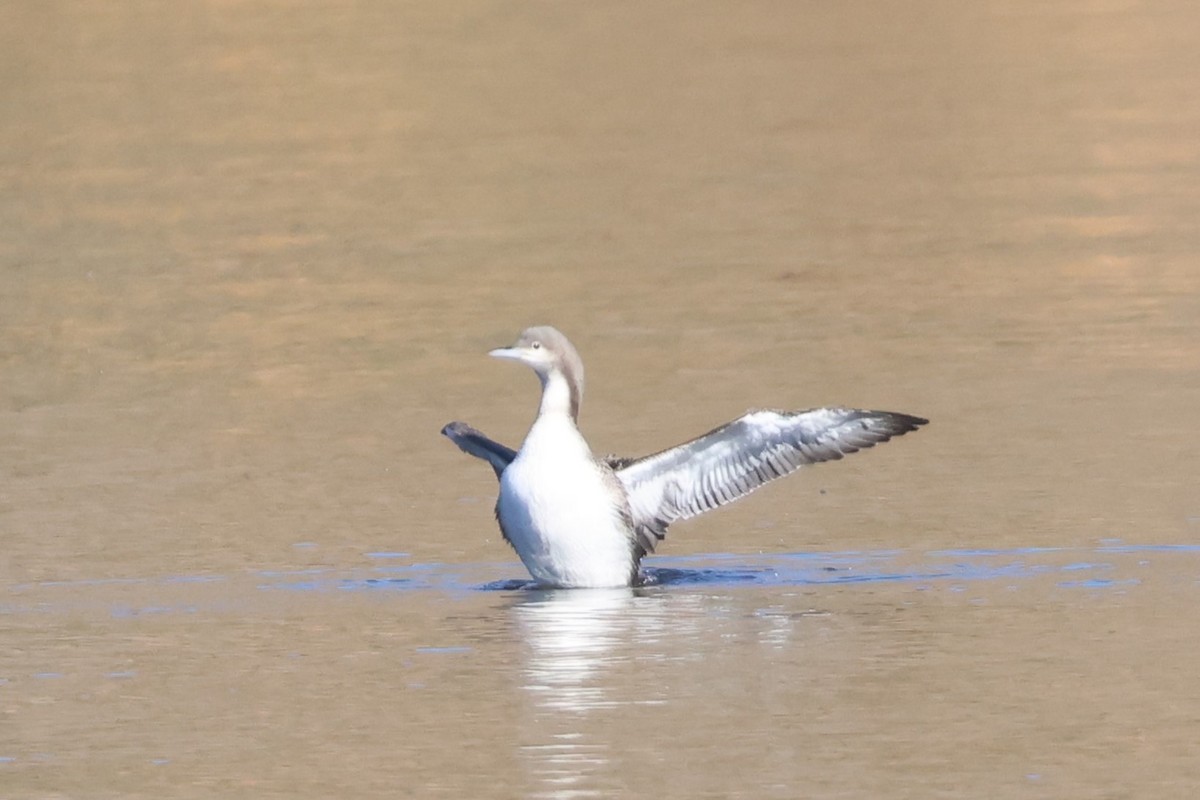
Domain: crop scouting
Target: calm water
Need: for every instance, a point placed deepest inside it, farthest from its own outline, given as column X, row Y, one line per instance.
column 252, row 255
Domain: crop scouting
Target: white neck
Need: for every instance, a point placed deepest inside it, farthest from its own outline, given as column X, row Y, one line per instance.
column 556, row 395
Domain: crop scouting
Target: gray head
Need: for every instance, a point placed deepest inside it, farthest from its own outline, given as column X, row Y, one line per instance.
column 552, row 357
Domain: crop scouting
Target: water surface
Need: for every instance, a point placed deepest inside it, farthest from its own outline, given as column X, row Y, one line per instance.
column 252, row 256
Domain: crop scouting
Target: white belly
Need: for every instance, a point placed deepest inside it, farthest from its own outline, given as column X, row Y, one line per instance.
column 560, row 515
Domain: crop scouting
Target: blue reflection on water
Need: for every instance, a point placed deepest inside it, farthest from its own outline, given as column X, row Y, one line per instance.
column 956, row 567
column 1105, row 566
column 1098, row 583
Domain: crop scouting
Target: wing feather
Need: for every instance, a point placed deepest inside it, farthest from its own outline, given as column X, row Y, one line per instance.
column 473, row 442
column 733, row 460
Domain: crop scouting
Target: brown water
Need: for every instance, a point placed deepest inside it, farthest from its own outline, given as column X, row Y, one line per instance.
column 252, row 256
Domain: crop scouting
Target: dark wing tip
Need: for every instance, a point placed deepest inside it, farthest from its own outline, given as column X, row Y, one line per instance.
column 474, row 443
column 453, row 430
column 899, row 424
column 890, row 421
column 857, row 429
column 887, row 424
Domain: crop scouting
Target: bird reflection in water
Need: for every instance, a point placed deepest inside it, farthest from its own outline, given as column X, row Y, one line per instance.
column 580, row 643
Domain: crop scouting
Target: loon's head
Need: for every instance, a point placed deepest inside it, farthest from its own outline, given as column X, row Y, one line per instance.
column 552, row 356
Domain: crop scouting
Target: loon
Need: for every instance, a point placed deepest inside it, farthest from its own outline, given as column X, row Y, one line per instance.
column 578, row 521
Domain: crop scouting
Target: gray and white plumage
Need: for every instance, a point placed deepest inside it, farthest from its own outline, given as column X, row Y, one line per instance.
column 632, row 501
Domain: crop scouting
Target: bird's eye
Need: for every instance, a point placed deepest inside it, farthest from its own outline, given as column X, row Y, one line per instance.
column 536, row 345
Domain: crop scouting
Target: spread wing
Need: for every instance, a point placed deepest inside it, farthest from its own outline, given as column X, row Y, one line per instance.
column 735, row 459
column 473, row 442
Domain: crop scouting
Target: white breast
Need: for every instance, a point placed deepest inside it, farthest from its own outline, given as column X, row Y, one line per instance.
column 560, row 515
